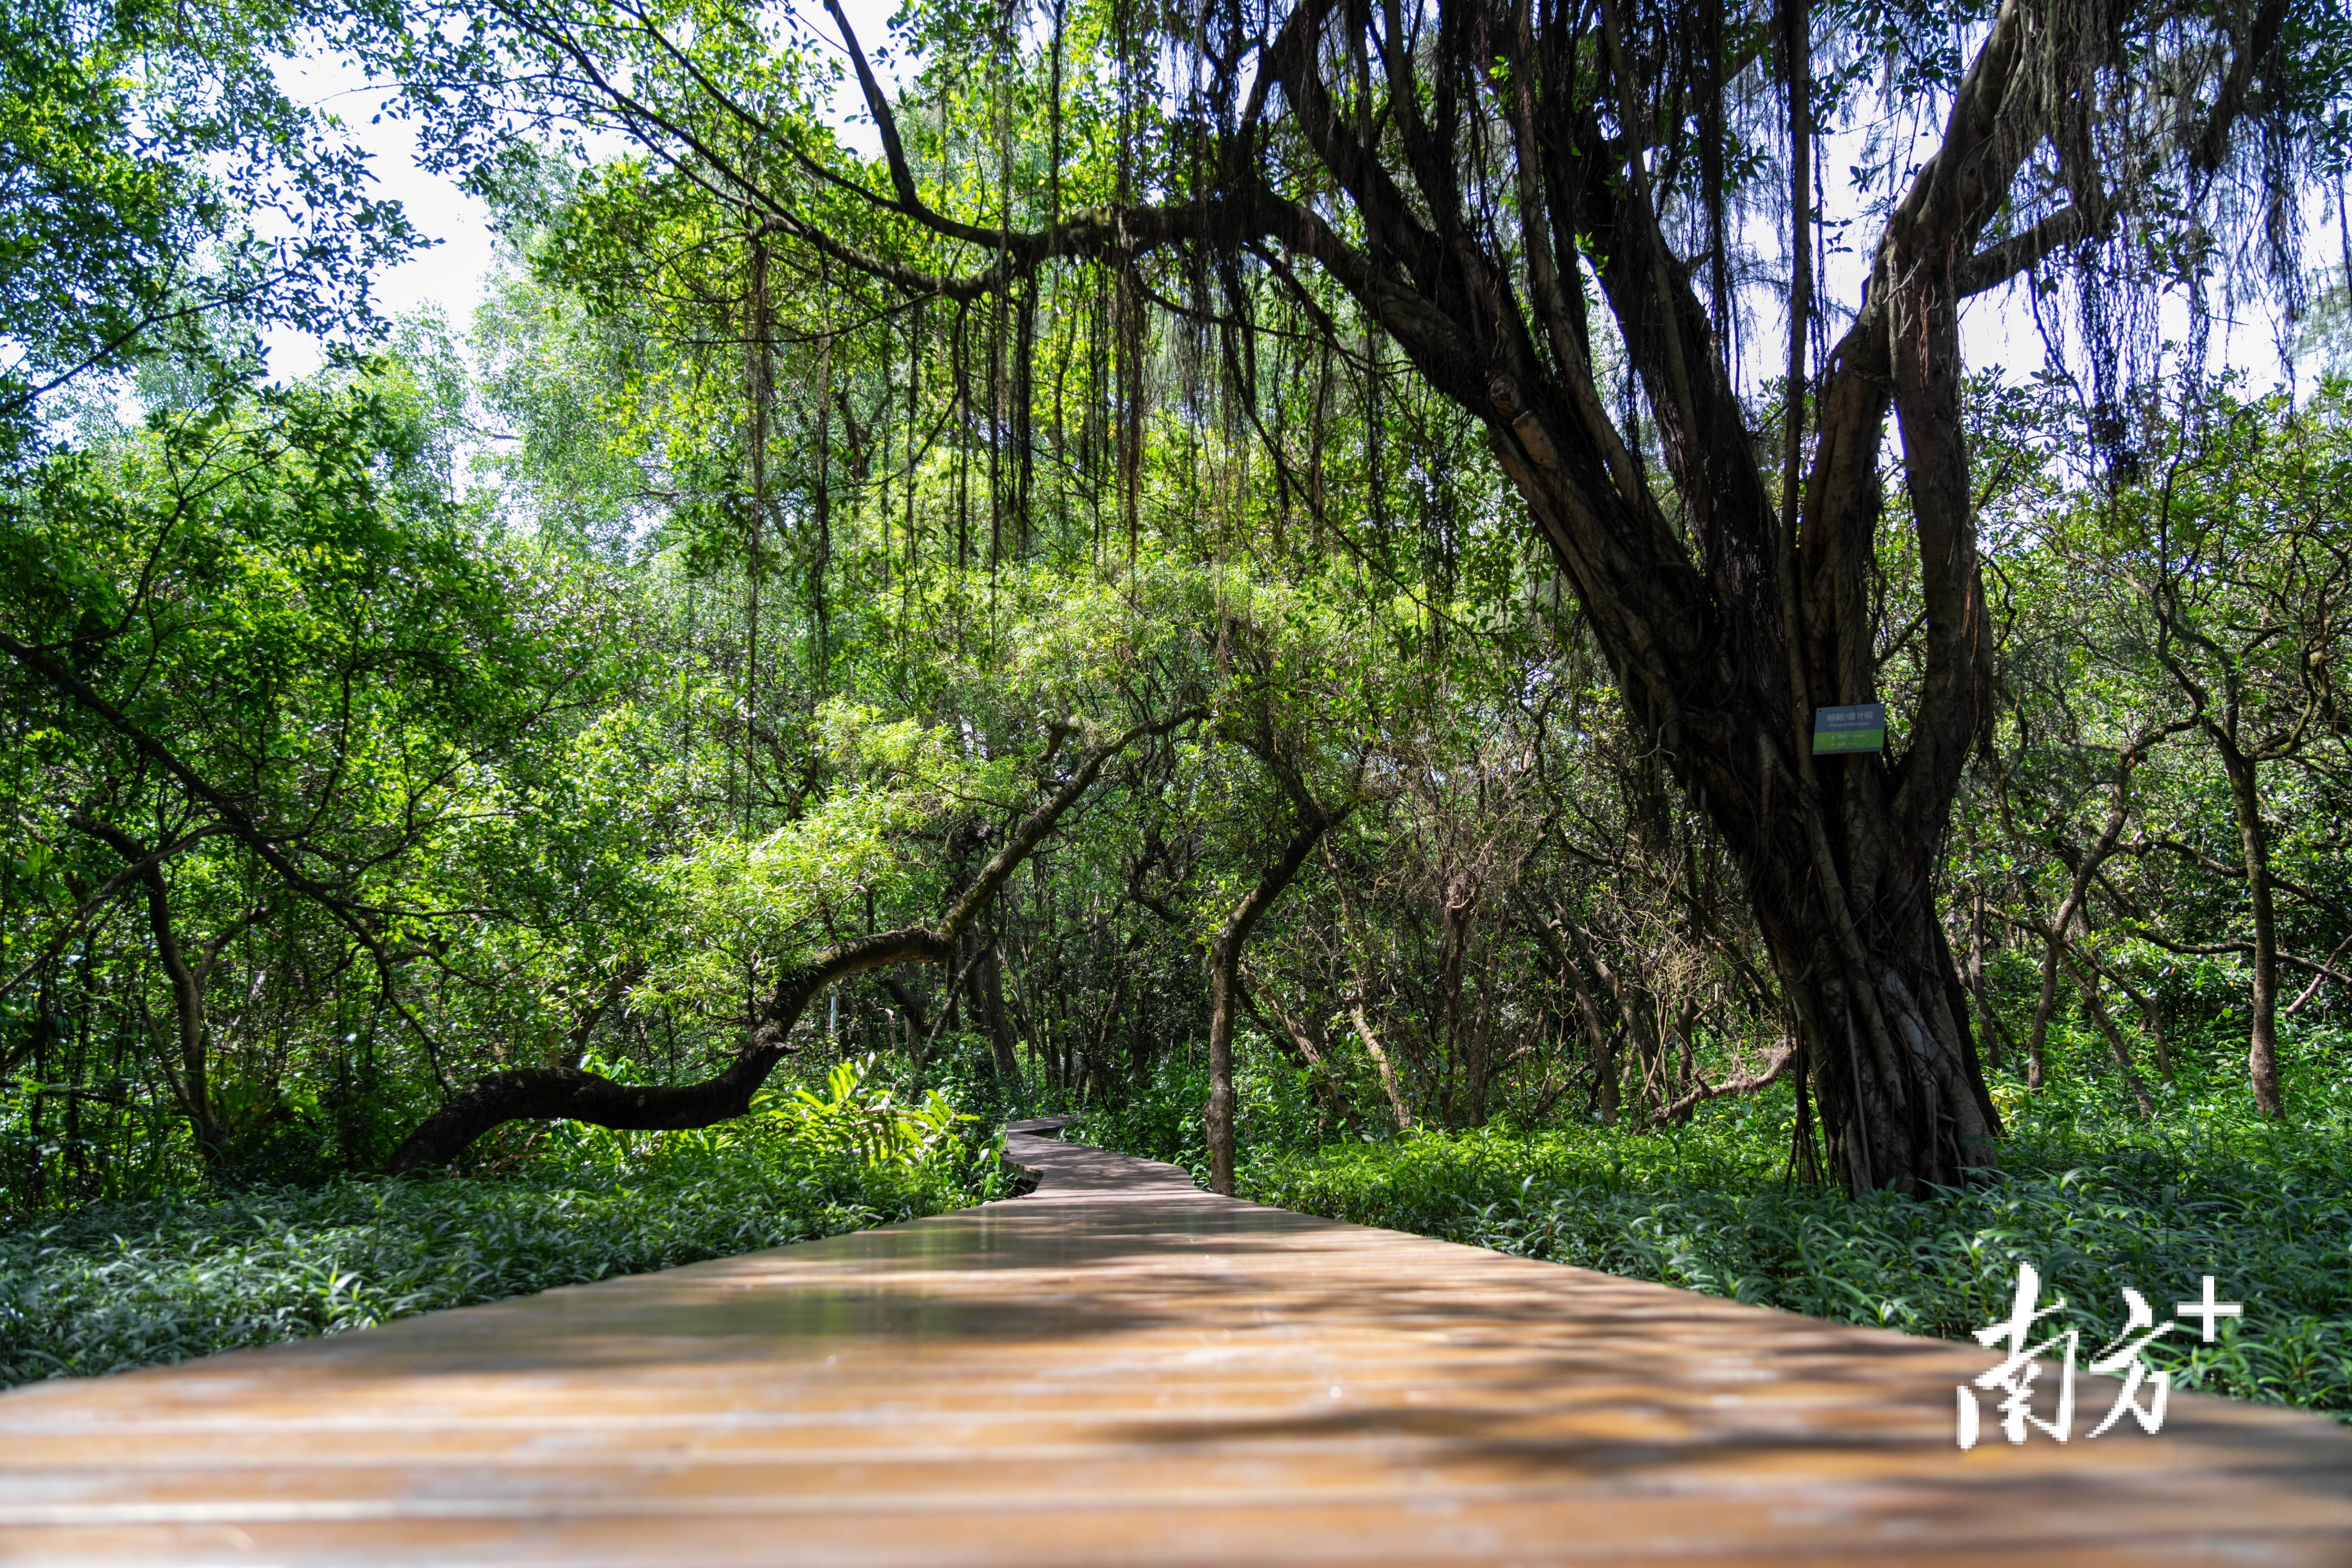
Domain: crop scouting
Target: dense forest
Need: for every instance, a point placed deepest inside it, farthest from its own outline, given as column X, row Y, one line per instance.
column 1263, row 576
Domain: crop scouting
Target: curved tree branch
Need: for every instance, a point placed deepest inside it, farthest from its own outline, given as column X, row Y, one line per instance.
column 562, row 1093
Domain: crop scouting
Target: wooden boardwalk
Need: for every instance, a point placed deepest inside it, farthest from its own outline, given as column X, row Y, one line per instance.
column 1121, row 1370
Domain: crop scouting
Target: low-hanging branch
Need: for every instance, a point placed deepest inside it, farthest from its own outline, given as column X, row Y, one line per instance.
column 563, row 1093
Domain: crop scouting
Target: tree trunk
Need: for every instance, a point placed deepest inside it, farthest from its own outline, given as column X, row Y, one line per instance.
column 1481, row 1057
column 1724, row 629
column 913, row 1029
column 2151, row 1010
column 1892, row 1062
column 1328, row 1087
column 1601, row 1049
column 1382, row 1065
column 1565, row 943
column 191, row 1081
column 988, row 1000
column 1225, row 957
column 1097, row 1063
column 2037, row 1041
column 1727, row 621
column 1647, row 1054
column 2253, row 839
column 2086, row 868
column 2088, row 985
column 1989, row 1025
column 188, row 1010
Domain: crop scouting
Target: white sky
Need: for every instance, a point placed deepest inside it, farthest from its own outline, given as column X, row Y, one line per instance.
column 1996, row 329
column 450, row 274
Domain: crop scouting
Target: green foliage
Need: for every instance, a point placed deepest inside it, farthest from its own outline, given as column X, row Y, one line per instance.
column 278, row 592
column 850, row 1120
column 118, row 1285
column 855, row 1121
column 146, row 146
column 1158, row 1118
column 754, row 908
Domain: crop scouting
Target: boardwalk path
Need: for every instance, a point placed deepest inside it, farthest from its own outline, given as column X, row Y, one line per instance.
column 1119, row 1369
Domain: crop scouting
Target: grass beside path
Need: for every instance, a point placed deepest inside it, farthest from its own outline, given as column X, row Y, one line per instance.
column 114, row 1286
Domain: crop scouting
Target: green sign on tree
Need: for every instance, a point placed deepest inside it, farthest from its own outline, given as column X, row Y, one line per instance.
column 1859, row 728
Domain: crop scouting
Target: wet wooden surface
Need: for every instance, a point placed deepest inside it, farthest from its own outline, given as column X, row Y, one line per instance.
column 1121, row 1370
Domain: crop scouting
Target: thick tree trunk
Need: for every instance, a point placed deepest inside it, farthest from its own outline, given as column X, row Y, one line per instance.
column 1892, row 1063
column 1727, row 620
column 1723, row 629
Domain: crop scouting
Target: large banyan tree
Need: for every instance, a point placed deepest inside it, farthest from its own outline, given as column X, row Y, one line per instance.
column 1568, row 217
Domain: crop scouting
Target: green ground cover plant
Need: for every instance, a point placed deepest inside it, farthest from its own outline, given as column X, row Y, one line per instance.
column 112, row 1286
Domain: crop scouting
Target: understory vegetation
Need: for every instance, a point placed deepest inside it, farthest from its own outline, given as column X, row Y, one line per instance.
column 113, row 1285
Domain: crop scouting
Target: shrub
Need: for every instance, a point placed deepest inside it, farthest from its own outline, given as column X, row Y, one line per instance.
column 120, row 1285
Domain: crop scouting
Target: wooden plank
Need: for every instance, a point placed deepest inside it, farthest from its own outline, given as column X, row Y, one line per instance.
column 1121, row 1369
